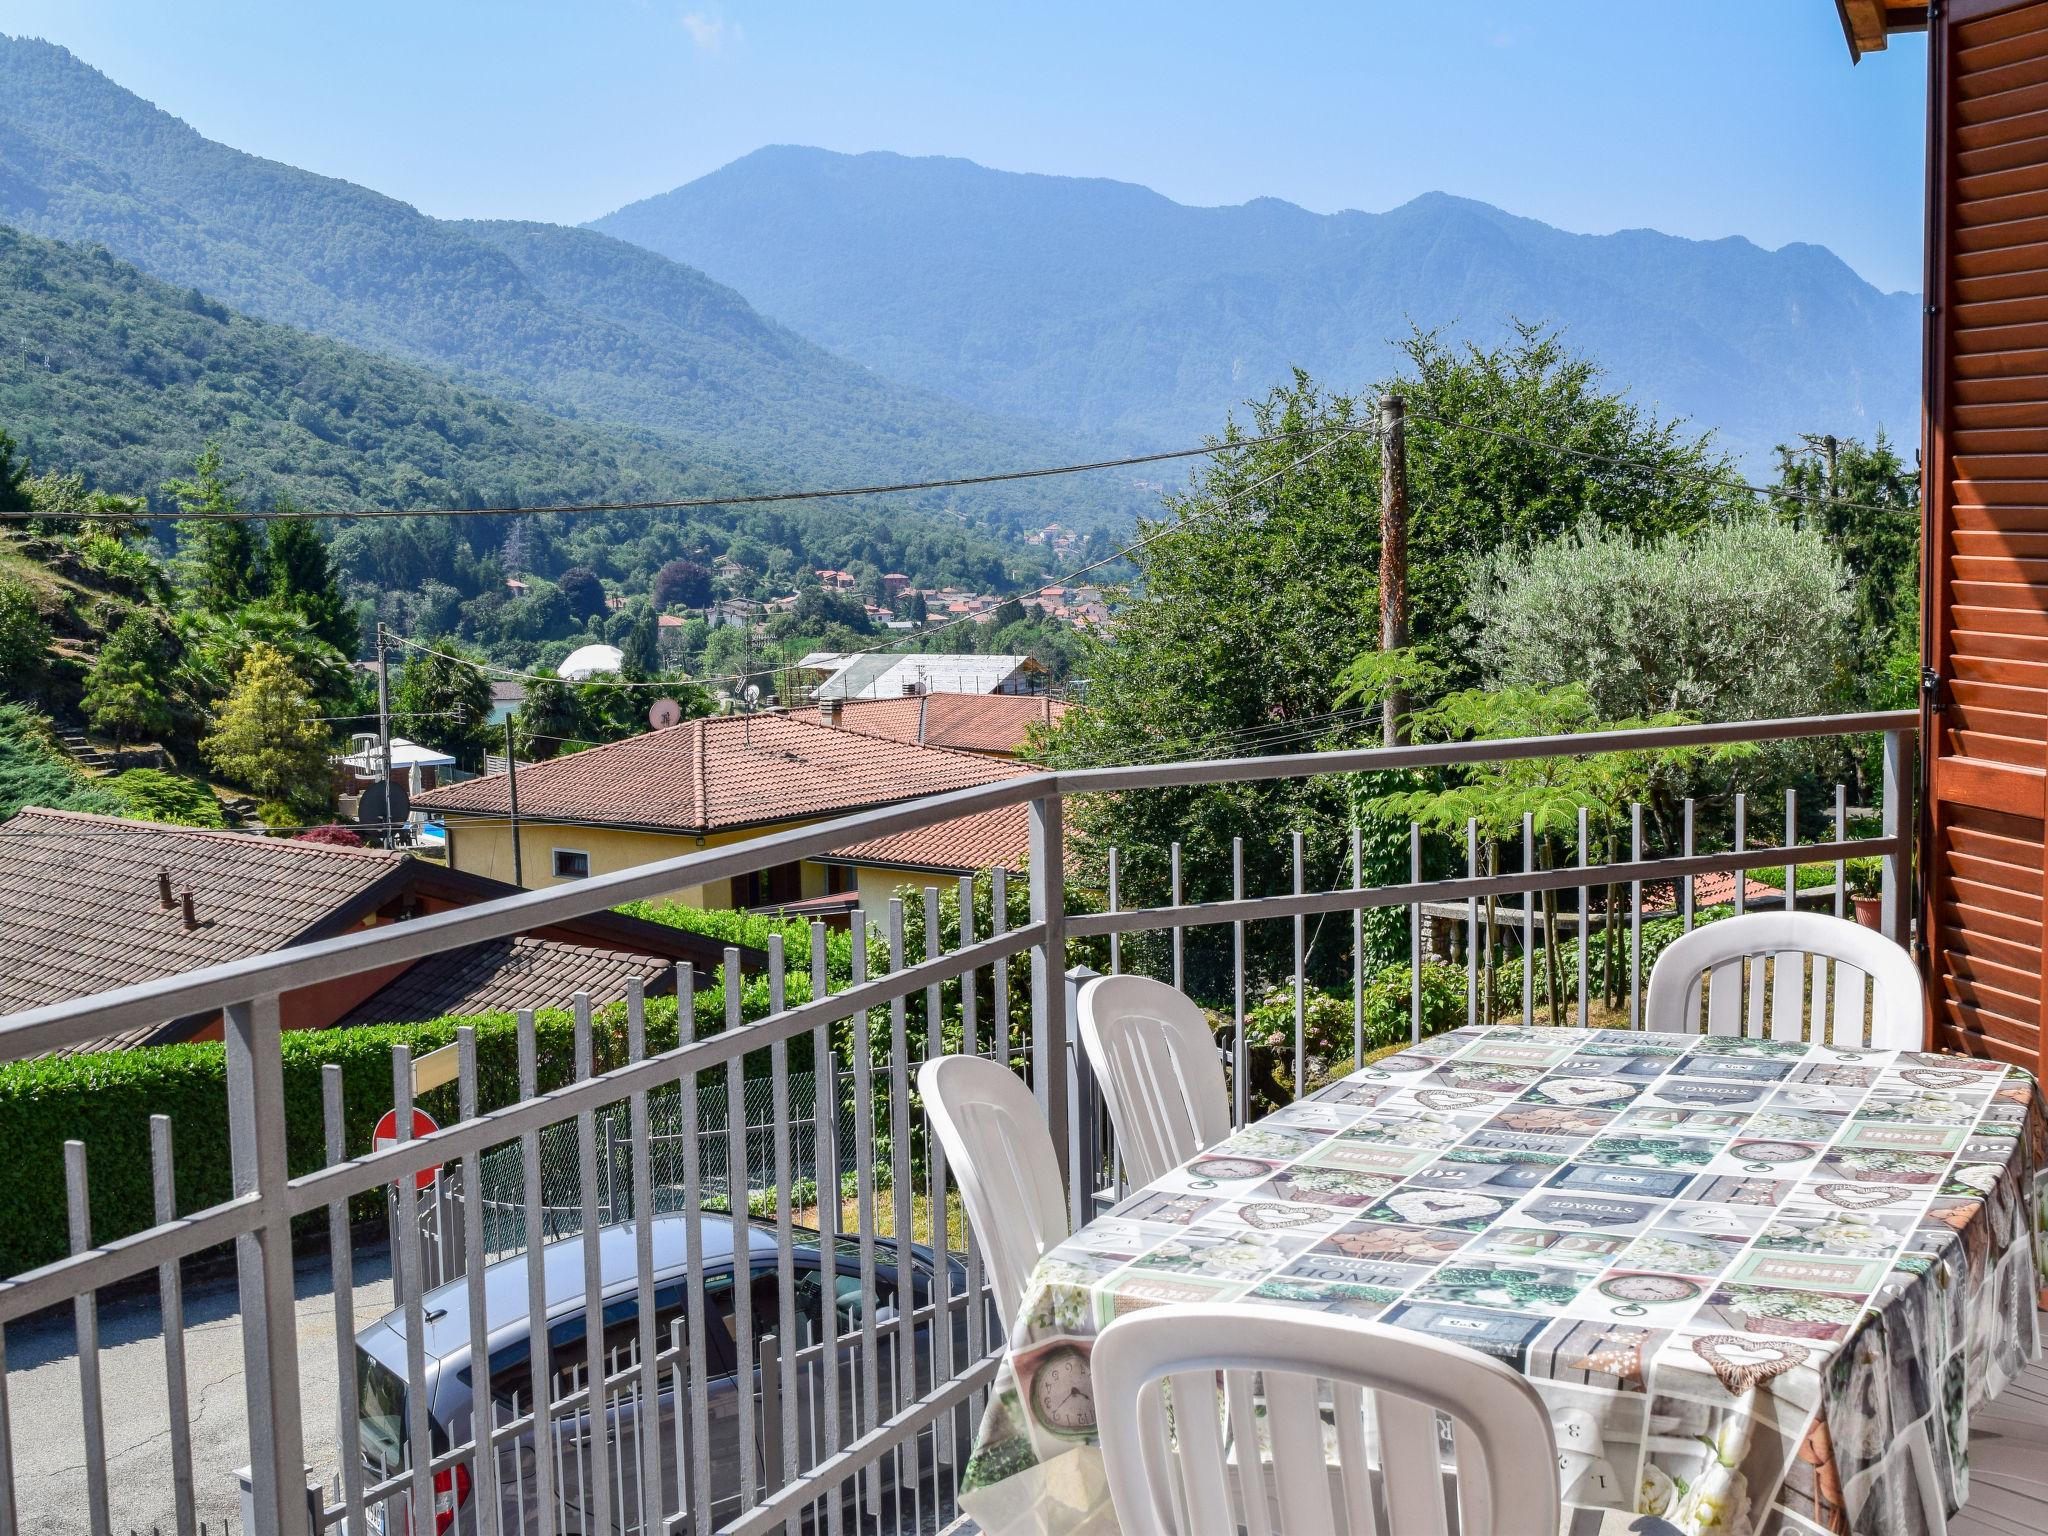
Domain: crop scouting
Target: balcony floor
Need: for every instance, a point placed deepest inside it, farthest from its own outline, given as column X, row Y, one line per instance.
column 2009, row 1461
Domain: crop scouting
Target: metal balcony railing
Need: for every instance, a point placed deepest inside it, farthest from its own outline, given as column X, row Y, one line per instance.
column 834, row 1376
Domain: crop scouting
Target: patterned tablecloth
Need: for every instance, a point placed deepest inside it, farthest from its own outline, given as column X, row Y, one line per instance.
column 1760, row 1284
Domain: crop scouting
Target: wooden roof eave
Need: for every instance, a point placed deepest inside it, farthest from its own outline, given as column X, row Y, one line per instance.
column 1867, row 25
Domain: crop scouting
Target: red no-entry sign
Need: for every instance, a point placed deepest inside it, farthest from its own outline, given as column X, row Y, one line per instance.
column 386, row 1135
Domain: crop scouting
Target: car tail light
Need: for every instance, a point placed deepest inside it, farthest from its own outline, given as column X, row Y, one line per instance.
column 451, row 1492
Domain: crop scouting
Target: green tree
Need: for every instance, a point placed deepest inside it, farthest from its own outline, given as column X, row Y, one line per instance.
column 217, row 554
column 299, row 573
column 549, row 720
column 640, row 653
column 125, row 695
column 1255, row 588
column 443, row 697
column 24, row 638
column 1744, row 620
column 682, row 584
column 1867, row 506
column 14, row 479
column 267, row 736
column 584, row 592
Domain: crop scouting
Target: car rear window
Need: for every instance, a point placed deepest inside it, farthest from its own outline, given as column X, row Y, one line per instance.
column 380, row 1408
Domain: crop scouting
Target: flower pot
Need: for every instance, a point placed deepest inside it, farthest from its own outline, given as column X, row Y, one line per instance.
column 1869, row 911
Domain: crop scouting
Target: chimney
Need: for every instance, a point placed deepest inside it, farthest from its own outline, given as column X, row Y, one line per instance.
column 191, row 917
column 163, row 890
column 829, row 711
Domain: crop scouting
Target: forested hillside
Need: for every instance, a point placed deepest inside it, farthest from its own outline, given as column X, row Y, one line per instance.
column 1104, row 306
column 111, row 375
column 561, row 318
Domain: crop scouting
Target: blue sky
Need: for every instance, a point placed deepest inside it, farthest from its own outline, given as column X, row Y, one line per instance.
column 1739, row 118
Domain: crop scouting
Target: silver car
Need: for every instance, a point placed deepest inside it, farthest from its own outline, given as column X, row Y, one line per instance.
column 450, row 1380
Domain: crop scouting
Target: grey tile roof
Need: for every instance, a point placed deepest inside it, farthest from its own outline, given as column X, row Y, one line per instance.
column 504, row 975
column 80, row 911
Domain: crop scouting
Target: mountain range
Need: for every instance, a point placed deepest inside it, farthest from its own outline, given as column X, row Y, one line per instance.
column 567, row 320
column 1104, row 307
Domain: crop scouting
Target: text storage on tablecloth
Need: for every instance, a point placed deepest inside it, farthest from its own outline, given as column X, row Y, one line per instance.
column 1759, row 1283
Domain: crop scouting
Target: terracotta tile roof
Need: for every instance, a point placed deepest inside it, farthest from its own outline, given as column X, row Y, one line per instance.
column 79, row 907
column 966, row 722
column 505, row 975
column 985, row 840
column 1711, row 890
column 723, row 772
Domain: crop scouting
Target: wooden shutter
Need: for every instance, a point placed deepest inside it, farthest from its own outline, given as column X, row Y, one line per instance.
column 1986, row 555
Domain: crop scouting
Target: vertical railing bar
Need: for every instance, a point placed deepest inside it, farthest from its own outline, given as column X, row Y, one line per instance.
column 1414, row 936
column 691, row 1119
column 419, row 1426
column 1529, row 899
column 864, row 1196
column 1741, row 843
column 260, row 1164
column 785, row 1255
column 1357, row 947
column 1791, row 841
column 1635, row 918
column 935, row 1170
column 483, row 1416
column 1841, row 836
column 1895, row 905
column 825, row 1104
column 532, row 1193
column 1116, row 953
column 1049, row 1022
column 171, row 1304
column 1585, row 927
column 1685, row 881
column 1180, row 933
column 1300, row 976
column 1471, row 923
column 1240, row 1053
column 970, row 1045
column 647, row 1420
column 902, row 1187
column 85, row 1321
column 596, row 1486
column 999, row 924
column 738, row 1187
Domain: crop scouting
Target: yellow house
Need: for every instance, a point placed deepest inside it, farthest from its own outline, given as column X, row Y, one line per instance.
column 708, row 783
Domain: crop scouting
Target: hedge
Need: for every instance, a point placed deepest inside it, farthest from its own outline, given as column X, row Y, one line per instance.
column 106, row 1098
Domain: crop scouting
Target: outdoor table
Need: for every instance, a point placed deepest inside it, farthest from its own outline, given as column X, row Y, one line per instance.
column 1759, row 1284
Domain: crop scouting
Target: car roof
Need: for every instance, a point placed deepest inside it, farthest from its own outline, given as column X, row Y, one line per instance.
column 446, row 1307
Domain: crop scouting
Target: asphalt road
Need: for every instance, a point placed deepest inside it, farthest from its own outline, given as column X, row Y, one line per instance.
column 44, row 1403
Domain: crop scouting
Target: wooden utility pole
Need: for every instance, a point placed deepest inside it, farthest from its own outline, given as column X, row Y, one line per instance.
column 384, row 732
column 512, row 794
column 1393, row 551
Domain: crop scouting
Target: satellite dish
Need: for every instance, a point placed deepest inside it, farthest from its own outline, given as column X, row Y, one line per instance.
column 753, row 694
column 663, row 713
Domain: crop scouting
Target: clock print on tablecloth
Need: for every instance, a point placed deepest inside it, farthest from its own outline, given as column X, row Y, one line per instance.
column 1062, row 1396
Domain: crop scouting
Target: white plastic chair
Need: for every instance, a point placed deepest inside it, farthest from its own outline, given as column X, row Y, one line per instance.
column 1159, row 1070
column 1002, row 1158
column 1736, row 950
column 1187, row 1483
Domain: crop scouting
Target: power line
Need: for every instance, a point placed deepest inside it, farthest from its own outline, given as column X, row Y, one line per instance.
column 1339, row 430
column 688, row 503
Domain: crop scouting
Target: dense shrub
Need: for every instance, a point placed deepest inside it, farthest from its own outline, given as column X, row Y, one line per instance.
column 105, row 1099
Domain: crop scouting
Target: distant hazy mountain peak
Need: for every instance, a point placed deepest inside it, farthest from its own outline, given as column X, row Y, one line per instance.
column 1105, row 306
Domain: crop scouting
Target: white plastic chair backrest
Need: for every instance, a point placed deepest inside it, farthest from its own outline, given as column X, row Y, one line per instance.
column 1753, row 970
column 1187, row 1481
column 1002, row 1159
column 1159, row 1070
